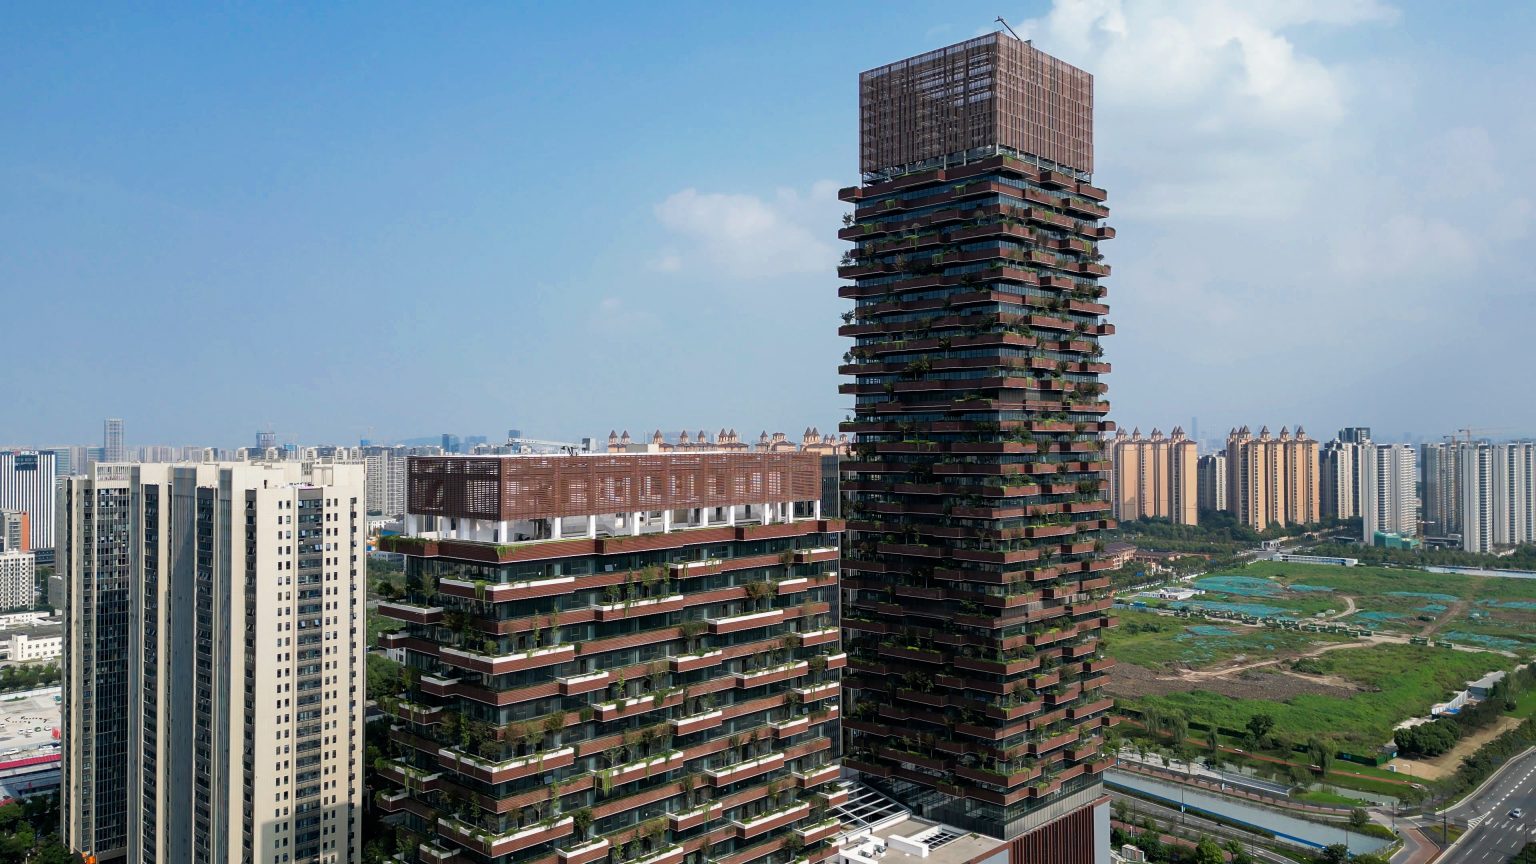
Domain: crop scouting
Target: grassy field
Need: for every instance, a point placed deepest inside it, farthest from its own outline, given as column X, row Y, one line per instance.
column 1397, row 681
column 1481, row 611
column 1163, row 643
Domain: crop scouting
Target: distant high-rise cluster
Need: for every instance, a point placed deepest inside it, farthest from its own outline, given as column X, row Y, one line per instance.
column 1273, row 480
column 1154, row 477
column 1480, row 492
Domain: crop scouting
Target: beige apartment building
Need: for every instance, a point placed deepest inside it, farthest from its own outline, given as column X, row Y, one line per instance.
column 213, row 662
column 1273, row 480
column 1154, row 477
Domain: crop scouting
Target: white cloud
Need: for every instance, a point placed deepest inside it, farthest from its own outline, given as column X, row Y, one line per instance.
column 1280, row 203
column 746, row 236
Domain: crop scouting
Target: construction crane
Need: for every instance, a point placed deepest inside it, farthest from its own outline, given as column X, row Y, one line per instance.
column 1465, row 434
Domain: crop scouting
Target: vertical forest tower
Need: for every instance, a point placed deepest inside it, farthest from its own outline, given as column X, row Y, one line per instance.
column 977, row 489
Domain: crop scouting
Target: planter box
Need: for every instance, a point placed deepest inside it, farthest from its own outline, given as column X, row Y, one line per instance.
column 504, row 663
column 638, row 705
column 391, row 802
column 637, row 608
column 819, row 637
column 586, row 853
column 688, row 569
column 769, row 821
column 817, row 776
column 745, row 770
column 787, row 728
column 410, row 612
column 674, row 855
column 836, row 797
column 837, row 661
column 502, row 844
column 691, row 662
column 438, row 686
column 574, row 685
column 645, row 768
column 771, row 676
column 819, row 691
column 821, row 831
column 695, row 817
column 512, row 769
column 697, row 723
column 745, row 622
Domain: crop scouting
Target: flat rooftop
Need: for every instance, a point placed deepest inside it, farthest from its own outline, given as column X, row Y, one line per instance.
column 27, row 723
column 895, row 836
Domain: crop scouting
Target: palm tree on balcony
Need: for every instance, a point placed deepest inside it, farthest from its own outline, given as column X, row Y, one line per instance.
column 758, row 592
column 691, row 630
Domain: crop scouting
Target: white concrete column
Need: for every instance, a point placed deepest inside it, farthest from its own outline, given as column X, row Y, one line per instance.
column 767, row 513
column 412, row 524
column 591, row 527
column 703, row 516
column 634, row 524
column 666, row 521
column 816, row 508
column 730, row 515
column 504, row 531
column 789, row 511
column 554, row 528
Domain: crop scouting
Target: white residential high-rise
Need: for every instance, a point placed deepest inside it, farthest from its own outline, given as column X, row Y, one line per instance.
column 1497, row 495
column 213, row 662
column 386, row 470
column 27, row 484
column 18, row 580
column 1389, row 501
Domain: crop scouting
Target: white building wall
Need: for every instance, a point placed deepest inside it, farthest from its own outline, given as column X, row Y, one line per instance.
column 18, row 580
column 27, row 483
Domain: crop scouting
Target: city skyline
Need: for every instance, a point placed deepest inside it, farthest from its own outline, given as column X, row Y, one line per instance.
column 1306, row 219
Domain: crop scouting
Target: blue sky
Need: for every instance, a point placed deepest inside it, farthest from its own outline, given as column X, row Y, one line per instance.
column 394, row 220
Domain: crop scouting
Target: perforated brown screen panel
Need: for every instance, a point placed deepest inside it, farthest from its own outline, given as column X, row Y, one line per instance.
column 537, row 487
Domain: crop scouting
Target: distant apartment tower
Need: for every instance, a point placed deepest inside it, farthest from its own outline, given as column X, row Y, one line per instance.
column 112, row 441
column 15, row 531
column 213, row 662
column 451, row 443
column 266, row 440
column 1273, row 481
column 18, row 580
column 978, row 413
column 628, row 656
column 386, row 469
column 27, row 481
column 1440, row 480
column 1339, row 463
column 1355, row 434
column 1212, row 480
column 1498, row 495
column 1389, row 500
column 1154, row 477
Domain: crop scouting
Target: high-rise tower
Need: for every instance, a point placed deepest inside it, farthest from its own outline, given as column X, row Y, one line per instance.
column 977, row 486
column 213, row 662
column 112, row 440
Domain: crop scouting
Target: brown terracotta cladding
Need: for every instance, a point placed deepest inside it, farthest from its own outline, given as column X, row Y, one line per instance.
column 992, row 90
column 500, row 488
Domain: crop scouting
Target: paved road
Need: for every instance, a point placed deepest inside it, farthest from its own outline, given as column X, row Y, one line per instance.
column 1495, row 837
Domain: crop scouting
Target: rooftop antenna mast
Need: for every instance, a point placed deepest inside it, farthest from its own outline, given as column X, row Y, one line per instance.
column 1010, row 31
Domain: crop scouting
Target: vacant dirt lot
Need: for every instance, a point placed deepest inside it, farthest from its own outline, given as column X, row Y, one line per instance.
column 1266, row 682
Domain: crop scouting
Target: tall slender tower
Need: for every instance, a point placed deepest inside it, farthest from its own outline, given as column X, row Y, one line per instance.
column 112, row 441
column 977, row 491
column 213, row 662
